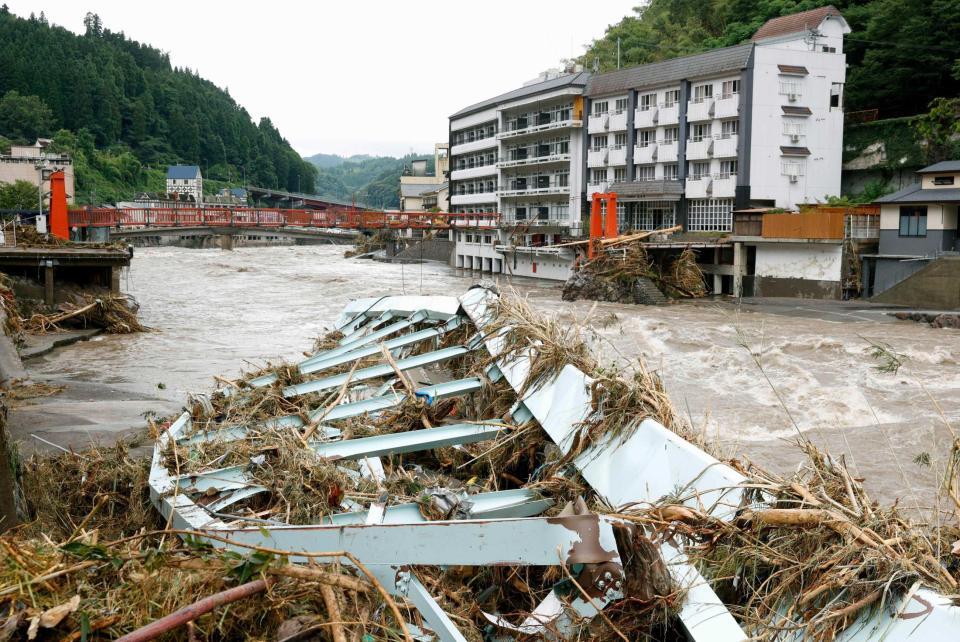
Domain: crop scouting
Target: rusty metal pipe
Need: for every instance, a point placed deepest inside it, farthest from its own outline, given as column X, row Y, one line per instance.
column 189, row 613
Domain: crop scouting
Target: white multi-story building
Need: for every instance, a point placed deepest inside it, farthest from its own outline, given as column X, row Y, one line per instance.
column 186, row 181
column 688, row 140
column 520, row 154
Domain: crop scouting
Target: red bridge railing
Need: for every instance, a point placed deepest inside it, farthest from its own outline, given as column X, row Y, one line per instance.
column 136, row 218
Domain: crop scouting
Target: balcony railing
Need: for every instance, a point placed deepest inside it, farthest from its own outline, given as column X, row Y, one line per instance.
column 534, row 129
column 533, row 189
column 533, row 160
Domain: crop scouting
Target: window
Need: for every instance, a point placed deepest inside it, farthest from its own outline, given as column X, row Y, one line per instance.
column 671, row 135
column 620, row 106
column 648, row 102
column 793, row 129
column 599, row 142
column 790, row 89
column 563, row 180
column 728, row 168
column 647, row 137
column 646, row 173
column 699, row 169
column 943, row 180
column 619, row 140
column 699, row 132
column 620, row 174
column 671, row 98
column 598, row 175
column 670, row 172
column 710, row 215
column 729, row 128
column 730, row 88
column 826, row 49
column 600, row 107
column 563, row 147
column 913, row 220
column 702, row 93
column 836, row 95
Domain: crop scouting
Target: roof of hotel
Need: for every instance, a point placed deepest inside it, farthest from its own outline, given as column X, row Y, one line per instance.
column 707, row 63
column 913, row 194
column 942, row 166
column 795, row 22
column 416, row 189
column 183, row 171
column 570, row 80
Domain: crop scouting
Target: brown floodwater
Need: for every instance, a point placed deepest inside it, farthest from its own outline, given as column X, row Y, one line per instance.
column 220, row 312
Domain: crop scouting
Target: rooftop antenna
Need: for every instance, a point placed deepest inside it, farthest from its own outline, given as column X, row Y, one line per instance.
column 596, row 64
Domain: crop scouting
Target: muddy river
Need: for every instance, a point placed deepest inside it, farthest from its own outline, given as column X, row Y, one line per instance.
column 219, row 312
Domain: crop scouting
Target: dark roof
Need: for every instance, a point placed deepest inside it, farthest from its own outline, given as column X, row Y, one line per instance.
column 794, row 70
column 795, row 22
column 913, row 194
column 570, row 80
column 674, row 70
column 416, row 189
column 789, row 110
column 183, row 171
column 663, row 190
column 942, row 166
column 239, row 192
column 794, row 151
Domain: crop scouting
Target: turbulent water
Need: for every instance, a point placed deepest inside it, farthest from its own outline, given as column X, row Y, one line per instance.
column 751, row 377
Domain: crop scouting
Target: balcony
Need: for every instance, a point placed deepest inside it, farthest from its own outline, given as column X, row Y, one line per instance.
column 473, row 172
column 473, row 199
column 726, row 147
column 617, row 156
column 702, row 110
column 536, row 129
column 669, row 115
column 598, row 157
column 618, row 121
column 534, row 160
column 475, row 146
column 699, row 187
column 594, row 188
column 727, row 107
column 700, row 149
column 598, row 123
column 724, row 186
column 531, row 189
column 667, row 152
column 644, row 155
column 645, row 118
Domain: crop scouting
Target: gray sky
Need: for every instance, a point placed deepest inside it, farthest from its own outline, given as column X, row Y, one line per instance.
column 354, row 76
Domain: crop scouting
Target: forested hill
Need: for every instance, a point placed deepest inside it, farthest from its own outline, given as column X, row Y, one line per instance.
column 901, row 54
column 126, row 107
column 373, row 181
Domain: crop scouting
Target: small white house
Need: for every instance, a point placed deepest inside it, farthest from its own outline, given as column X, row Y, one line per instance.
column 186, row 181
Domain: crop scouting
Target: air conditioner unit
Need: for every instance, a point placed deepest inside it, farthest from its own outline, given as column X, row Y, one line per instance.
column 795, row 138
column 793, row 97
column 794, row 178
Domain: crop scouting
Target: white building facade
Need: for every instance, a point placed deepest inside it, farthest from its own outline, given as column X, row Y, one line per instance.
column 688, row 140
column 186, row 181
column 520, row 154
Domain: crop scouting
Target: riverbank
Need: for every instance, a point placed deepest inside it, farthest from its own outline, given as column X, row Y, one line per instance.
column 232, row 311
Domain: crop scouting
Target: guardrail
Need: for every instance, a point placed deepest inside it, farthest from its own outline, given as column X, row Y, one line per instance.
column 330, row 218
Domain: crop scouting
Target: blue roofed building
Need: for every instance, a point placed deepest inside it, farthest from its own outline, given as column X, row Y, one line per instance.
column 185, row 181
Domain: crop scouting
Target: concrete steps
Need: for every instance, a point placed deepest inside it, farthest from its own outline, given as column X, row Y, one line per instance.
column 646, row 293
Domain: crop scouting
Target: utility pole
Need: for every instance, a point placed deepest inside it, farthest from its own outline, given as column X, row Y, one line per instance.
column 618, row 53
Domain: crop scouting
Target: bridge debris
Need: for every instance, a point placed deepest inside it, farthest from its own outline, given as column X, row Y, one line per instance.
column 463, row 469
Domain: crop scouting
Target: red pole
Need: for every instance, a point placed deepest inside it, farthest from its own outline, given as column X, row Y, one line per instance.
column 611, row 229
column 596, row 225
column 59, row 226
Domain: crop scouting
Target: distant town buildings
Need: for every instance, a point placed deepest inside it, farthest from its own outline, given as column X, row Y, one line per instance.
column 416, row 185
column 186, row 181
column 34, row 164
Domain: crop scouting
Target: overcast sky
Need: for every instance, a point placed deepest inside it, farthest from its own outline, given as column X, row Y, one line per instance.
column 354, row 76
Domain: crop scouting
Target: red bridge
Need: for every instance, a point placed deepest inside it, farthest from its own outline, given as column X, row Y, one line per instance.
column 350, row 219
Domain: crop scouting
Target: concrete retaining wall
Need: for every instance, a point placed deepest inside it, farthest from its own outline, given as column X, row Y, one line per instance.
column 934, row 286
column 428, row 250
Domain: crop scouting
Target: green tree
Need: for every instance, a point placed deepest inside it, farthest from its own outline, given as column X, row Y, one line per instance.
column 19, row 195
column 940, row 129
column 24, row 117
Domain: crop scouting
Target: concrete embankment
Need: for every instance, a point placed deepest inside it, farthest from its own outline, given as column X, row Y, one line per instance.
column 420, row 250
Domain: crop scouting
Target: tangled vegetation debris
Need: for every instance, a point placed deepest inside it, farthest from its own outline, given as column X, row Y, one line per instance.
column 807, row 553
